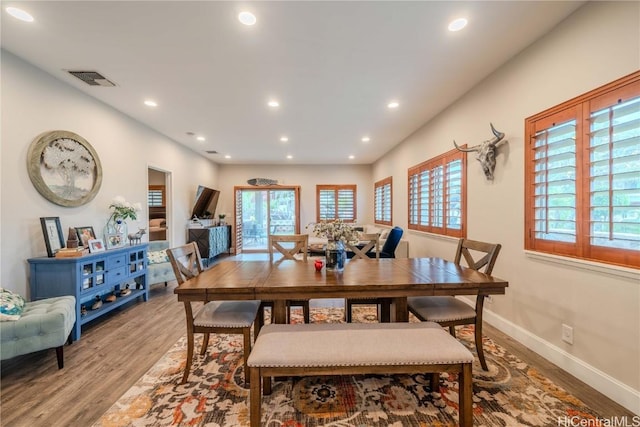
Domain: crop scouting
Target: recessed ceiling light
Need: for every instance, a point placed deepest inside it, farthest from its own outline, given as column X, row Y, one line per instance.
column 284, row 139
column 227, row 156
column 457, row 24
column 366, row 139
column 247, row 18
column 352, row 157
column 289, row 156
column 150, row 103
column 200, row 138
column 393, row 104
column 19, row 14
column 273, row 103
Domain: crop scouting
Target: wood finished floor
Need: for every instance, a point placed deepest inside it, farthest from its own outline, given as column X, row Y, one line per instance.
column 115, row 351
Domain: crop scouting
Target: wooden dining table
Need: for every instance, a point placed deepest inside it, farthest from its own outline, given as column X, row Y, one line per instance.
column 393, row 278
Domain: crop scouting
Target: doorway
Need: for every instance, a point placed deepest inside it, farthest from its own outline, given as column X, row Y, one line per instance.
column 261, row 211
column 158, row 202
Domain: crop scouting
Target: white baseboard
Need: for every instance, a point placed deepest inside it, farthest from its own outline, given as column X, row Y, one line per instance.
column 595, row 378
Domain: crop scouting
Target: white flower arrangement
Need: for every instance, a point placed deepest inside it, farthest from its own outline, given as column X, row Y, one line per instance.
column 336, row 230
column 123, row 210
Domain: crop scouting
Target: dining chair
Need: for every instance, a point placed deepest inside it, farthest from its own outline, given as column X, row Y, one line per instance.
column 450, row 311
column 366, row 243
column 383, row 305
column 221, row 317
column 291, row 247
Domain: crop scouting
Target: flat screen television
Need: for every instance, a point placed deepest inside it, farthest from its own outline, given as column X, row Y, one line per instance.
column 206, row 203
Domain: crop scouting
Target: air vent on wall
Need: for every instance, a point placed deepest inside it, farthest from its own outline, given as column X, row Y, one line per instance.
column 92, row 78
column 212, row 152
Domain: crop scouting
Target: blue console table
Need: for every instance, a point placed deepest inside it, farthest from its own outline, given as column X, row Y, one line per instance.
column 98, row 274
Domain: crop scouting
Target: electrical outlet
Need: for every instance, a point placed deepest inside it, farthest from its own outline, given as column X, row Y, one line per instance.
column 567, row 334
column 489, row 299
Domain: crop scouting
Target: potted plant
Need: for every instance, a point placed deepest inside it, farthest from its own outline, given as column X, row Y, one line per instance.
column 221, row 218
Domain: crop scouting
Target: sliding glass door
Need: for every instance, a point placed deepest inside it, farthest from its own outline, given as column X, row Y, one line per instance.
column 261, row 211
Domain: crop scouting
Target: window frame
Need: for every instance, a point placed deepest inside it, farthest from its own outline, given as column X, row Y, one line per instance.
column 580, row 109
column 336, row 189
column 441, row 160
column 380, row 186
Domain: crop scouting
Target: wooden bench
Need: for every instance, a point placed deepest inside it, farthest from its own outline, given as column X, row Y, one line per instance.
column 358, row 348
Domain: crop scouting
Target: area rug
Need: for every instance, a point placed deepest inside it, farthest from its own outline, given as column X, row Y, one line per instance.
column 511, row 393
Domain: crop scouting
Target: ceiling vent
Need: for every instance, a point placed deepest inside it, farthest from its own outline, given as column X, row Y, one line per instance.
column 92, row 78
column 212, row 151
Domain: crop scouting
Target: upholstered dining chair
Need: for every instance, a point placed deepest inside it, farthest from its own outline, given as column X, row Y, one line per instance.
column 221, row 317
column 449, row 311
column 383, row 305
column 293, row 247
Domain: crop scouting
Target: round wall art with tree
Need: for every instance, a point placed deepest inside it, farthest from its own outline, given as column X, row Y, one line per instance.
column 64, row 168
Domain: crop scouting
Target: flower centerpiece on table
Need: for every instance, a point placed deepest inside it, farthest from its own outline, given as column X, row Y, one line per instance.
column 336, row 230
column 337, row 233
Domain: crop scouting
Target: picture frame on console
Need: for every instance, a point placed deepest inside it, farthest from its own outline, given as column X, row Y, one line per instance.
column 53, row 237
column 85, row 234
column 96, row 245
column 114, row 240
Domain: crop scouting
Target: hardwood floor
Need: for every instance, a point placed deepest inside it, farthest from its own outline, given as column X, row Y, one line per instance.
column 115, row 351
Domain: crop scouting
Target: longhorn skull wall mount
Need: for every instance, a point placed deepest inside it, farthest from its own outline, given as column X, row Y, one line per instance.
column 486, row 152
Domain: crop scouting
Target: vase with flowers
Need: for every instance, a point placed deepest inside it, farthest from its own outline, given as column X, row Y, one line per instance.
column 337, row 233
column 115, row 232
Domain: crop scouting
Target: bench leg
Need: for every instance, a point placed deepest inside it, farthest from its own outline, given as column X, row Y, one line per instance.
column 465, row 404
column 255, row 398
column 60, row 357
column 435, row 382
column 246, row 332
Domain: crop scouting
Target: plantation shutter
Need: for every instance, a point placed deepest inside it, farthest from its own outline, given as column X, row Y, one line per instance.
column 454, row 194
column 382, row 201
column 614, row 170
column 437, row 195
column 239, row 230
column 336, row 202
column 555, row 182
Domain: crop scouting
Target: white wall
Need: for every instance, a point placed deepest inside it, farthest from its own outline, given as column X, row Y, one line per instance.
column 596, row 45
column 34, row 102
column 307, row 177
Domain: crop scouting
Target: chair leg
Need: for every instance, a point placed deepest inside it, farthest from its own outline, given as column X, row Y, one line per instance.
column 306, row 312
column 452, row 331
column 205, row 344
column 435, row 382
column 465, row 396
column 384, row 311
column 347, row 311
column 479, row 347
column 60, row 357
column 246, row 332
column 187, row 366
column 255, row 398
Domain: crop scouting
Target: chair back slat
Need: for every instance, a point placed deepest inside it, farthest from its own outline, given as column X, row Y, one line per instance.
column 300, row 245
column 371, row 241
column 185, row 261
column 489, row 253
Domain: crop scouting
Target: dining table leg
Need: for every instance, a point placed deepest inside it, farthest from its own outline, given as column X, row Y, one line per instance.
column 399, row 309
column 279, row 311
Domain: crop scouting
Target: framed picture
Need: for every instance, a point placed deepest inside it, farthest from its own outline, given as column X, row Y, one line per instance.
column 64, row 168
column 96, row 245
column 85, row 234
column 53, row 237
column 114, row 240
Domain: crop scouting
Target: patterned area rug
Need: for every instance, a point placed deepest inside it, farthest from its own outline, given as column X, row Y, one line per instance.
column 511, row 393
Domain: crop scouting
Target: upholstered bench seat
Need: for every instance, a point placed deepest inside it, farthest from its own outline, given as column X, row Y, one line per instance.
column 43, row 324
column 357, row 348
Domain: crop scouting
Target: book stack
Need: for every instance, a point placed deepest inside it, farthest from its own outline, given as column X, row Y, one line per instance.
column 72, row 252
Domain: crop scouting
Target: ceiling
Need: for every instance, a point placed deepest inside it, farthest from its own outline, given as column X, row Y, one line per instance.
column 332, row 66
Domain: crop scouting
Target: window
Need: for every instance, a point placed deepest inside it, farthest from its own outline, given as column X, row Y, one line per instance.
column 583, row 176
column 438, row 195
column 336, row 202
column 382, row 203
column 156, row 196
